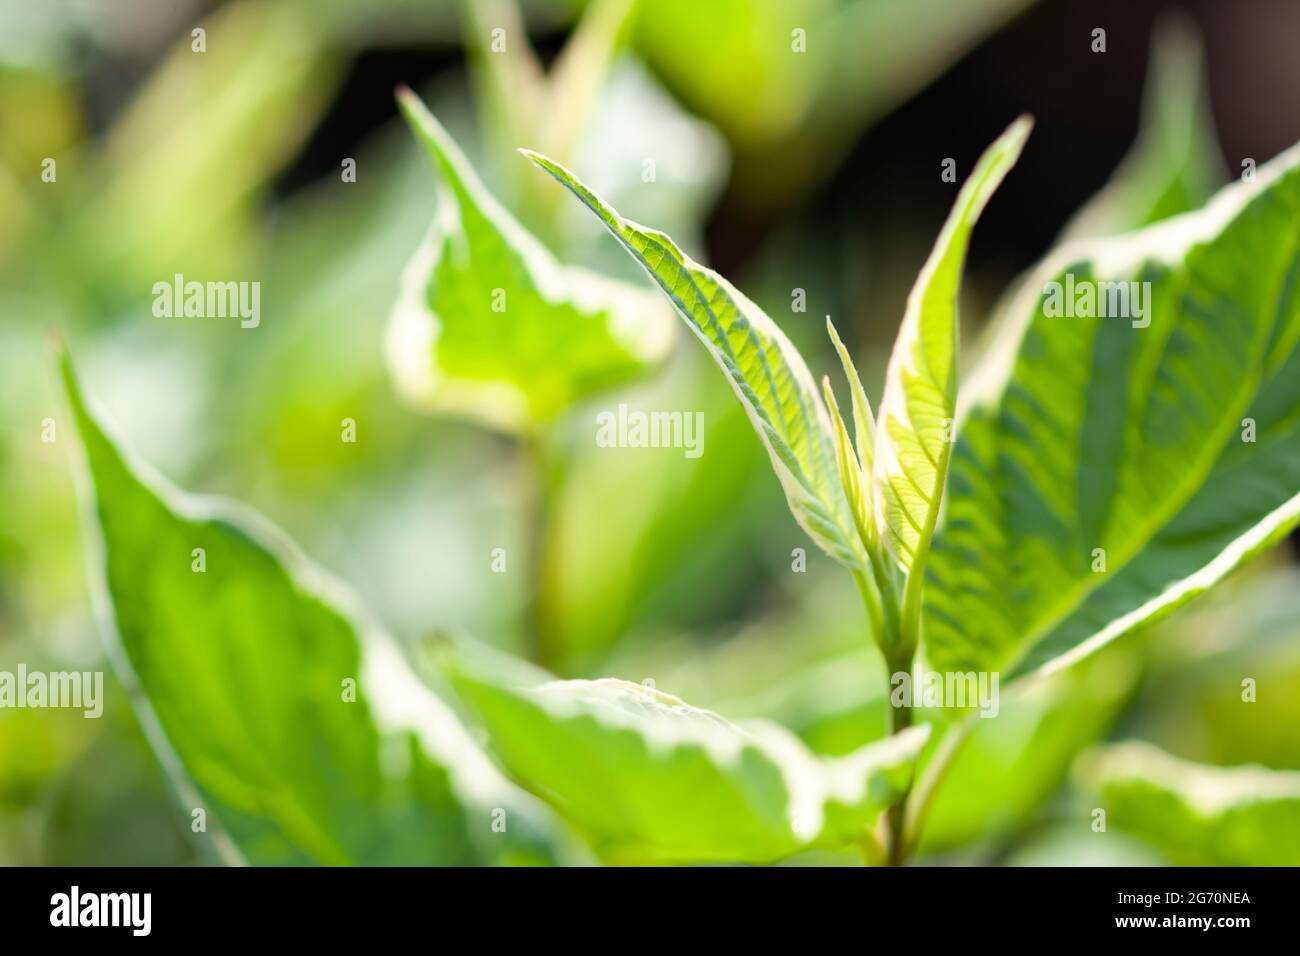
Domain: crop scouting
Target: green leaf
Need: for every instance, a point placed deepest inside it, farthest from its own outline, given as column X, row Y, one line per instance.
column 864, row 423
column 849, row 466
column 1010, row 766
column 1196, row 814
column 863, row 454
column 794, row 84
column 155, row 203
column 521, row 101
column 654, row 570
column 764, row 369
column 1110, row 479
column 1248, row 626
column 1173, row 167
column 651, row 779
column 489, row 326
column 240, row 673
column 916, row 428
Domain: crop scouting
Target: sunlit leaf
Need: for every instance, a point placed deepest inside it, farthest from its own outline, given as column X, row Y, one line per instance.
column 859, row 457
column 1196, row 814
column 294, row 724
column 651, row 779
column 793, row 84
column 1128, row 463
column 850, row 468
column 916, row 428
column 489, row 325
column 764, row 369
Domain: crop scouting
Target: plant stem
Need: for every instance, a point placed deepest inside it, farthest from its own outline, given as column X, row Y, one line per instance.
column 900, row 719
column 541, row 473
column 881, row 600
column 873, row 854
column 927, row 787
column 871, row 601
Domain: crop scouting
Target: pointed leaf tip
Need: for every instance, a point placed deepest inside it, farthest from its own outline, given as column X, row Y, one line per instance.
column 863, row 422
column 768, row 375
column 1175, row 516
column 569, row 332
column 919, row 403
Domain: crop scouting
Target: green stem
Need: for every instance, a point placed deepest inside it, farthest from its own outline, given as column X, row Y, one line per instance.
column 900, row 720
column 541, row 473
column 871, row 599
column 928, row 786
column 897, row 654
column 880, row 595
column 873, row 854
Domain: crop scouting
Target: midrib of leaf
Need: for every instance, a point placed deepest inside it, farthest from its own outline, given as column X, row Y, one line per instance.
column 667, row 249
column 1208, row 453
column 655, row 252
column 1083, row 587
column 1193, row 480
column 1227, row 545
column 1286, row 336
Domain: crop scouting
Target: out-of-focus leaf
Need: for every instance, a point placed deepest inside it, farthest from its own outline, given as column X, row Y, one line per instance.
column 41, row 118
column 177, row 182
column 652, row 779
column 803, row 665
column 1130, row 462
column 793, row 102
column 765, row 370
column 914, row 437
column 1069, row 845
column 659, row 567
column 1015, row 761
column 491, row 327
column 1192, row 694
column 808, row 669
column 597, row 106
column 297, row 727
column 36, row 746
column 521, row 101
column 1195, row 814
column 1174, row 166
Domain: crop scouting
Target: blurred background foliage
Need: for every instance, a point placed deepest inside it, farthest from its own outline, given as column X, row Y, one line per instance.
column 816, row 172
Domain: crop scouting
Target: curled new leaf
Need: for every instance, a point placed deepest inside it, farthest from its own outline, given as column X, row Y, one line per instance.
column 850, row 468
column 917, row 414
column 865, row 451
